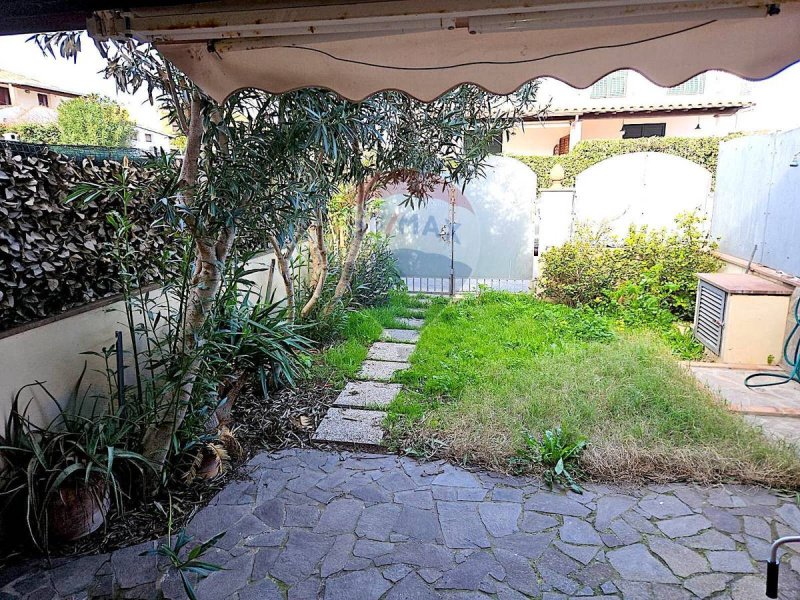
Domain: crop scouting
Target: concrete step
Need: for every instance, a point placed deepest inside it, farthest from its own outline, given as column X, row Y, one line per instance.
column 411, row 323
column 390, row 351
column 351, row 426
column 403, row 336
column 380, row 370
column 367, row 394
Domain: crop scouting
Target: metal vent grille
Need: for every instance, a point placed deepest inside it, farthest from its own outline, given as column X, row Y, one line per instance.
column 709, row 316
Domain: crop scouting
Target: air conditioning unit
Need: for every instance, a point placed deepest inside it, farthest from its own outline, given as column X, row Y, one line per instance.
column 741, row 318
column 10, row 136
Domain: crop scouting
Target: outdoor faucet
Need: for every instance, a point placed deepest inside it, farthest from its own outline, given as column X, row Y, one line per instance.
column 774, row 564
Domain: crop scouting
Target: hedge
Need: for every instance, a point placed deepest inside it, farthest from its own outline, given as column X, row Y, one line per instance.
column 34, row 133
column 703, row 151
column 55, row 256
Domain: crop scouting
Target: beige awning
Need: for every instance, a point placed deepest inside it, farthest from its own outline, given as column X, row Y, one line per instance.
column 426, row 47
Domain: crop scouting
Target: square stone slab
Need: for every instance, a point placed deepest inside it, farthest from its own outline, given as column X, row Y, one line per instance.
column 406, row 336
column 390, row 351
column 381, row 370
column 411, row 323
column 351, row 426
column 362, row 394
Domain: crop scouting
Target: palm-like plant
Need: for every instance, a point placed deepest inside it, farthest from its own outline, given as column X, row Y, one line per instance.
column 87, row 455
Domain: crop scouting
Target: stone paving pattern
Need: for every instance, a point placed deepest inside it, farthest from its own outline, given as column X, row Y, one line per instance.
column 390, row 351
column 380, row 370
column 345, row 526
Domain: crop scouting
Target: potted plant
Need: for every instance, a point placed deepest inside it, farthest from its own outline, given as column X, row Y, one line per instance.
column 62, row 479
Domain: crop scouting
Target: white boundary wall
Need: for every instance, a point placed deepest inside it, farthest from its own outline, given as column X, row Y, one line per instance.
column 757, row 200
column 50, row 350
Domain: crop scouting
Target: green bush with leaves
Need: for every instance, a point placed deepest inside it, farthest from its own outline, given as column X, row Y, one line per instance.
column 376, row 273
column 702, row 151
column 94, row 121
column 648, row 279
column 33, row 133
column 594, row 268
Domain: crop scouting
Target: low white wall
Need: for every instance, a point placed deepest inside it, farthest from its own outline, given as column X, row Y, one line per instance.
column 50, row 352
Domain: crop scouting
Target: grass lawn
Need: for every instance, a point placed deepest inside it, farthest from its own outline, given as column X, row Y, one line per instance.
column 490, row 369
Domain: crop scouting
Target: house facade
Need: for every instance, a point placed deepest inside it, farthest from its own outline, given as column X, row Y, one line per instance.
column 151, row 140
column 27, row 100
column 625, row 105
column 24, row 100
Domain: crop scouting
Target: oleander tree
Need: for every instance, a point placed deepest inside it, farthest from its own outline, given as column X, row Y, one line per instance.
column 443, row 143
column 264, row 167
column 256, row 165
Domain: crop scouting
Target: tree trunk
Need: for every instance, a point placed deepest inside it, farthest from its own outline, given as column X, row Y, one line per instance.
column 321, row 260
column 158, row 436
column 210, row 257
column 363, row 192
column 286, row 273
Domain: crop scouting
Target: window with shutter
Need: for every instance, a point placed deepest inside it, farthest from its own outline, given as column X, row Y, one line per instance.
column 611, row 86
column 563, row 146
column 692, row 87
column 5, row 96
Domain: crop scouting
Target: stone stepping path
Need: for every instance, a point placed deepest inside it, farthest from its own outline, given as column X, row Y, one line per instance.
column 367, row 394
column 358, row 411
column 352, row 426
column 412, row 323
column 405, row 336
column 380, row 370
column 390, row 351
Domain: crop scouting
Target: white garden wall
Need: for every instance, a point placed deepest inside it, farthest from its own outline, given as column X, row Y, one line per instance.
column 642, row 188
column 757, row 200
column 50, row 351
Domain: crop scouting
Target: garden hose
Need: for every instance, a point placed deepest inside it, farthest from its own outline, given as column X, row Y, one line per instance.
column 793, row 362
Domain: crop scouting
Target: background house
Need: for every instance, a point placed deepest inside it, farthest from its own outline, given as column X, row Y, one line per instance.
column 625, row 105
column 24, row 100
column 151, row 140
column 27, row 100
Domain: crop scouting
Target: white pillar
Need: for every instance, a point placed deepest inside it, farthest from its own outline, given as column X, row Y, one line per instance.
column 575, row 132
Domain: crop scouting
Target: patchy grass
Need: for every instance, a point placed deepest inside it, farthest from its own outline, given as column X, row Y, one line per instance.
column 488, row 370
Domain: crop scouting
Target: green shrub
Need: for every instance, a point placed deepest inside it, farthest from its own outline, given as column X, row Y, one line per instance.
column 649, row 272
column 703, row 151
column 33, row 133
column 376, row 273
column 646, row 280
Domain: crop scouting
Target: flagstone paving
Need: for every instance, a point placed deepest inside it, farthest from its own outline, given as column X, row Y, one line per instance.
column 411, row 323
column 352, row 426
column 379, row 370
column 306, row 524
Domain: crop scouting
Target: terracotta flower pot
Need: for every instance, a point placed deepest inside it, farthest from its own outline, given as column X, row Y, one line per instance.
column 78, row 509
